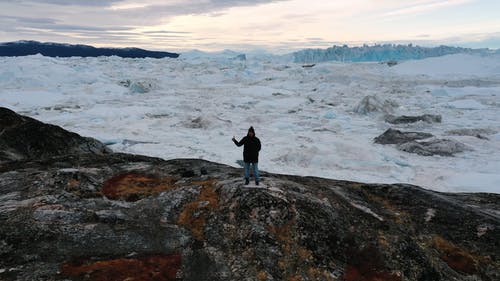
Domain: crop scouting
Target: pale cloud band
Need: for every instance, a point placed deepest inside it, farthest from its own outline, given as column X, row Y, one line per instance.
column 246, row 24
column 425, row 6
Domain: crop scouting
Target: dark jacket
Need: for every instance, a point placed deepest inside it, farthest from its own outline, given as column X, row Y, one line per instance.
column 251, row 148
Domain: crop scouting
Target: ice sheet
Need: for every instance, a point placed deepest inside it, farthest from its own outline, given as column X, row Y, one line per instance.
column 303, row 116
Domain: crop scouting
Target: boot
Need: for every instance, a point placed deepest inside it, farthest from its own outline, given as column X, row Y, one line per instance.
column 247, row 181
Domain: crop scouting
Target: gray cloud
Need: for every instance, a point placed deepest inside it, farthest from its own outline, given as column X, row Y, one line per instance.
column 29, row 20
column 50, row 24
column 93, row 22
column 102, row 3
column 178, row 7
column 161, row 11
column 70, row 27
column 95, row 15
column 165, row 32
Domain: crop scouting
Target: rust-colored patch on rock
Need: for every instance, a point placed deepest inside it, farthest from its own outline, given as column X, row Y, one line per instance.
column 297, row 261
column 262, row 275
column 194, row 214
column 316, row 273
column 355, row 274
column 295, row 277
column 456, row 258
column 153, row 267
column 74, row 186
column 382, row 240
column 134, row 186
column 367, row 265
column 399, row 216
column 283, row 233
column 73, row 183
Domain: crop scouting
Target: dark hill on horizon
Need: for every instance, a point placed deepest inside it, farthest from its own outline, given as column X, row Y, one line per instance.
column 26, row 48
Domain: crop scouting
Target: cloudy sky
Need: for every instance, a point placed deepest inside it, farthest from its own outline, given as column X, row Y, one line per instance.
column 275, row 25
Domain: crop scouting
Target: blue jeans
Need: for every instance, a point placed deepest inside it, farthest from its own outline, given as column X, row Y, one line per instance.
column 255, row 170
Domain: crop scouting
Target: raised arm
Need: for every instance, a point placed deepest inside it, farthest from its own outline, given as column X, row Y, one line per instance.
column 239, row 143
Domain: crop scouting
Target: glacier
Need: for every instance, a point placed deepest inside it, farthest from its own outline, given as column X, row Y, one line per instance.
column 305, row 117
column 386, row 52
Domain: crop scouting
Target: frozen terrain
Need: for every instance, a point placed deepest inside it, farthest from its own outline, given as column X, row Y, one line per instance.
column 192, row 106
column 385, row 52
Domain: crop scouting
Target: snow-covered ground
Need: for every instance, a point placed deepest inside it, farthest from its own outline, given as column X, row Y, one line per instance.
column 192, row 106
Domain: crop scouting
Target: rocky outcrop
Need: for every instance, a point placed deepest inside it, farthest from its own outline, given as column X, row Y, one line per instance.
column 22, row 137
column 412, row 142
column 428, row 118
column 128, row 217
column 371, row 104
column 480, row 133
column 393, row 136
column 442, row 147
column 392, row 63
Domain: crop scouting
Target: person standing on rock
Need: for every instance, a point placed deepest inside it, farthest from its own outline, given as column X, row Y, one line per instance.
column 251, row 148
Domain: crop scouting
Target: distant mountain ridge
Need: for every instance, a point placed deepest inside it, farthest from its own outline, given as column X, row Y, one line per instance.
column 26, row 48
column 384, row 52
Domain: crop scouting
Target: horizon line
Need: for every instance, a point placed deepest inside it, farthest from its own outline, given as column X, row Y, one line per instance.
column 263, row 48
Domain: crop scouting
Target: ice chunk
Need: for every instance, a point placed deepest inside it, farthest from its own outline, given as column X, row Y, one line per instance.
column 139, row 87
column 468, row 104
column 373, row 104
column 439, row 93
column 330, row 115
column 397, row 161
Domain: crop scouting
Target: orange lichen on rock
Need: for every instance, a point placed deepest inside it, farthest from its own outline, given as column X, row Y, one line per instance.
column 154, row 267
column 315, row 273
column 72, row 183
column 208, row 193
column 194, row 214
column 262, row 275
column 456, row 258
column 304, row 254
column 356, row 274
column 294, row 278
column 73, row 186
column 296, row 258
column 367, row 264
column 382, row 240
column 399, row 216
column 282, row 233
column 134, row 186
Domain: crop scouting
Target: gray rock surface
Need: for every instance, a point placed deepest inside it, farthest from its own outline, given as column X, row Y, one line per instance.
column 480, row 133
column 371, row 104
column 22, row 137
column 421, row 143
column 442, row 147
column 428, row 118
column 393, row 136
column 129, row 217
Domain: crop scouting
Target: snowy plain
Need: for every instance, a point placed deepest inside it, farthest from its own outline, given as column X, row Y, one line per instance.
column 192, row 106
